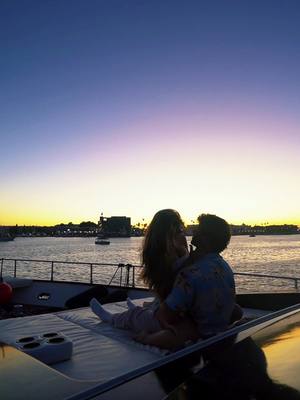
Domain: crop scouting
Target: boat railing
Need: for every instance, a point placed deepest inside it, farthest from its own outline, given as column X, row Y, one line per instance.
column 292, row 279
column 121, row 274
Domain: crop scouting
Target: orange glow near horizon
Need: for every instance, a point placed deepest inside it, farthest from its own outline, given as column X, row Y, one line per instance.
column 47, row 219
column 232, row 176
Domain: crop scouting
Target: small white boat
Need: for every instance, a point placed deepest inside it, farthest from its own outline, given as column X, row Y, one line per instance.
column 101, row 241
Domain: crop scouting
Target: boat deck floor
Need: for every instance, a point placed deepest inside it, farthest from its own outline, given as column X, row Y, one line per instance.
column 100, row 351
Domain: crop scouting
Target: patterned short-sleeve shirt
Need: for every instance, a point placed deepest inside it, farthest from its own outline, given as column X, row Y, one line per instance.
column 205, row 290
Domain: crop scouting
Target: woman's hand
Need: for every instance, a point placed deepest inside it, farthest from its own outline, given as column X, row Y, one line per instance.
column 164, row 339
column 141, row 337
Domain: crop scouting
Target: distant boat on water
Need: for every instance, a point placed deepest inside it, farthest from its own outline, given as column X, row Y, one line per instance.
column 100, row 240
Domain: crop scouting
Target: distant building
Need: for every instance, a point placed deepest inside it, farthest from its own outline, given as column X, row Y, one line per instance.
column 264, row 229
column 255, row 230
column 115, row 226
column 189, row 229
column 241, row 229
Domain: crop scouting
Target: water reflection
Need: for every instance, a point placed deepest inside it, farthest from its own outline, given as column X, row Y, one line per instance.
column 241, row 371
column 279, row 255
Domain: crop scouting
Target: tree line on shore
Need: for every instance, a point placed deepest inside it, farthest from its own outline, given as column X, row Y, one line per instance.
column 89, row 228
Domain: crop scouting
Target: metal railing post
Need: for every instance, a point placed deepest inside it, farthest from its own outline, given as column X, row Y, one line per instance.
column 1, row 271
column 128, row 266
column 91, row 274
column 15, row 269
column 296, row 284
column 52, row 271
column 121, row 274
column 133, row 276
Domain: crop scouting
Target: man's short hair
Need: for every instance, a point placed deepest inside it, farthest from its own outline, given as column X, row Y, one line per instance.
column 213, row 231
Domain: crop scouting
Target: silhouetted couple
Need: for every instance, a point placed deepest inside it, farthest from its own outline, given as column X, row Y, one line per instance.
column 195, row 291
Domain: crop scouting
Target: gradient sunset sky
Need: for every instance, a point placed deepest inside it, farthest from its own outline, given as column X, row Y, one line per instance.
column 127, row 107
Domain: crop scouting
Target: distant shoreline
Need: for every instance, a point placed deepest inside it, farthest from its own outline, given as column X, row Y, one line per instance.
column 128, row 237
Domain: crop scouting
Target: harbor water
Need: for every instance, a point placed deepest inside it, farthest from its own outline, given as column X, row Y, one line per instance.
column 275, row 255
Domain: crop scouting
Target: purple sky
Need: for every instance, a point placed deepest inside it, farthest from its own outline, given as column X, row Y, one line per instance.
column 126, row 107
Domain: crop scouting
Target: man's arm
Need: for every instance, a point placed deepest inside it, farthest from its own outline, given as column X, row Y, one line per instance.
column 166, row 316
column 178, row 302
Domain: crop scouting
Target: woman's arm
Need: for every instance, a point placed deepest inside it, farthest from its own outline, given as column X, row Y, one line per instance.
column 172, row 338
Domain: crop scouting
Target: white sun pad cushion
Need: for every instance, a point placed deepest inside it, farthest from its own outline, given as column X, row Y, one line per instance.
column 100, row 352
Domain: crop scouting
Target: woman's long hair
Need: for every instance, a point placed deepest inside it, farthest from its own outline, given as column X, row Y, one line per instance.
column 159, row 252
